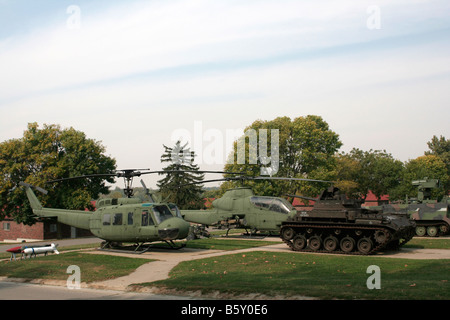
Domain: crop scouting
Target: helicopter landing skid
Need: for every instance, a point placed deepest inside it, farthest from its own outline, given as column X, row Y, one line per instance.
column 117, row 247
column 172, row 245
column 137, row 248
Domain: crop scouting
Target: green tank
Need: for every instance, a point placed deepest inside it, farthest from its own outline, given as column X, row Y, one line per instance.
column 337, row 224
column 432, row 217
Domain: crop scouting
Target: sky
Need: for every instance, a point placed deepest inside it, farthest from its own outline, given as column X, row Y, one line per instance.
column 137, row 75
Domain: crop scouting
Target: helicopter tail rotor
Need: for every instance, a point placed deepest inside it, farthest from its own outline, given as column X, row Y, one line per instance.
column 27, row 185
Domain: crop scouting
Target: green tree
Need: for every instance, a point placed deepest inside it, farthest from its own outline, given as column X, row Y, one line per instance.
column 427, row 166
column 184, row 187
column 345, row 173
column 306, row 147
column 47, row 153
column 360, row 171
column 441, row 147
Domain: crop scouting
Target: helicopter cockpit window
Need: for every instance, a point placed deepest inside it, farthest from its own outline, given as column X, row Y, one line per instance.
column 144, row 218
column 117, row 219
column 162, row 213
column 273, row 204
column 175, row 211
column 261, row 202
column 147, row 219
column 107, row 219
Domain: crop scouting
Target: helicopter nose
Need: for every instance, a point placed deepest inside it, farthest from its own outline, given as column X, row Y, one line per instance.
column 173, row 228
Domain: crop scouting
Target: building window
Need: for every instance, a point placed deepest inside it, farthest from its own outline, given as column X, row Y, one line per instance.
column 6, row 226
column 53, row 227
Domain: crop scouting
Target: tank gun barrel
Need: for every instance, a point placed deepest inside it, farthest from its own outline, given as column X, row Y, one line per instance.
column 301, row 197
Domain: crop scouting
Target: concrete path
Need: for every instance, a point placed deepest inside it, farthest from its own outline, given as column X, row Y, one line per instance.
column 166, row 261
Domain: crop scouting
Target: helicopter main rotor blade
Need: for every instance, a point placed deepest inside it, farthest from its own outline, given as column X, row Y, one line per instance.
column 194, row 171
column 289, row 179
column 143, row 184
column 130, row 173
column 301, row 197
column 85, row 176
column 207, row 181
column 242, row 178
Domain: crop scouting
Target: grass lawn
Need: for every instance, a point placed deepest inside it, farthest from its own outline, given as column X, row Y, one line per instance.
column 286, row 273
column 94, row 267
column 99, row 267
column 321, row 276
column 428, row 243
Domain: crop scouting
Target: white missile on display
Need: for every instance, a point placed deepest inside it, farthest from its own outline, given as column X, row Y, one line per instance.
column 36, row 250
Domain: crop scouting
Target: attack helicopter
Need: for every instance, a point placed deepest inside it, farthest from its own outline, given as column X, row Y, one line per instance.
column 241, row 208
column 120, row 220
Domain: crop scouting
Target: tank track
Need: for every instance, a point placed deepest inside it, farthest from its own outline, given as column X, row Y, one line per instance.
column 357, row 233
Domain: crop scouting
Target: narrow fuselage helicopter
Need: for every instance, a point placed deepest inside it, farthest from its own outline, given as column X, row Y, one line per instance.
column 121, row 220
column 241, row 208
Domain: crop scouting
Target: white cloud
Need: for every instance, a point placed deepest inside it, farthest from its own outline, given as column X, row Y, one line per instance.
column 140, row 38
column 135, row 73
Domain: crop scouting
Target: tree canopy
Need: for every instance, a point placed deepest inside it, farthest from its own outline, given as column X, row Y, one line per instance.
column 48, row 153
column 359, row 172
column 182, row 188
column 440, row 147
column 306, row 146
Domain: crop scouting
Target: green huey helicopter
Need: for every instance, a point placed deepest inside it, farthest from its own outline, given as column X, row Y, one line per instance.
column 121, row 220
column 241, row 208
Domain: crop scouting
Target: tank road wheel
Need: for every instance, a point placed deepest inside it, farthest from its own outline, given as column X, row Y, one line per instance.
column 421, row 231
column 288, row 233
column 299, row 242
column 330, row 243
column 381, row 236
column 365, row 245
column 432, row 231
column 444, row 228
column 347, row 244
column 315, row 242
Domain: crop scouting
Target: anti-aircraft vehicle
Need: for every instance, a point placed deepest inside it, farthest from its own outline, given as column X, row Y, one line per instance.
column 432, row 218
column 121, row 220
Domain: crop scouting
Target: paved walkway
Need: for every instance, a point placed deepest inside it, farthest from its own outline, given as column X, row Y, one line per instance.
column 166, row 261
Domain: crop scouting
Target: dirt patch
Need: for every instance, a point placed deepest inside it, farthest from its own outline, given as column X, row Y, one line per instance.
column 215, row 295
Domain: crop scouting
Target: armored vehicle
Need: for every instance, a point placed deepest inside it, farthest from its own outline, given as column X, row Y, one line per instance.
column 432, row 217
column 337, row 224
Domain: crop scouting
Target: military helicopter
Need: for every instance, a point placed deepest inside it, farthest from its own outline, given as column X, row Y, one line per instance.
column 124, row 219
column 241, row 208
column 120, row 220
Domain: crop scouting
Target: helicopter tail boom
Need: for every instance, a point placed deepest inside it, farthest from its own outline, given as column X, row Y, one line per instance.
column 75, row 218
column 34, row 201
